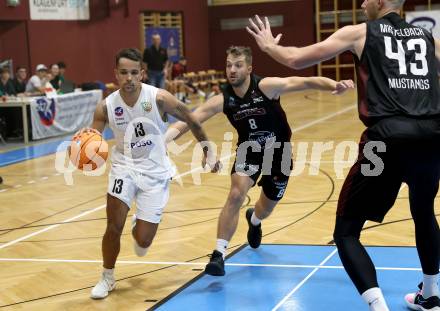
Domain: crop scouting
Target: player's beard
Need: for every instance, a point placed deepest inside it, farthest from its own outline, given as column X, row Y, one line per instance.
column 238, row 81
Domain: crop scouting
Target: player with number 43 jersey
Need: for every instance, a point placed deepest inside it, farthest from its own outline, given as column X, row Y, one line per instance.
column 252, row 105
column 399, row 101
column 403, row 85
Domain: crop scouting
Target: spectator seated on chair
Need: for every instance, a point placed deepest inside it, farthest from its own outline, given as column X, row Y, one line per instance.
column 11, row 116
column 39, row 82
column 62, row 71
column 215, row 90
column 178, row 83
column 19, row 81
column 65, row 85
column 54, row 70
column 6, row 84
column 179, row 69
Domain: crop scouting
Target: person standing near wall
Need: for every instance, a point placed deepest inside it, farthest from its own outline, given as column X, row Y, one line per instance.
column 156, row 62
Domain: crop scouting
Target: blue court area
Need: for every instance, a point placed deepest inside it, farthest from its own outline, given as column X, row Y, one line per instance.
column 296, row 278
column 40, row 149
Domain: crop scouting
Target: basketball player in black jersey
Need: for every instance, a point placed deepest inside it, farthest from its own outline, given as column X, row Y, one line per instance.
column 399, row 102
column 252, row 105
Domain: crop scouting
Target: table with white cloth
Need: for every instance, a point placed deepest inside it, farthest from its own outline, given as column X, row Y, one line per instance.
column 58, row 115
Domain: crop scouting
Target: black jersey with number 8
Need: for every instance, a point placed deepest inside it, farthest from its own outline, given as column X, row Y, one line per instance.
column 256, row 117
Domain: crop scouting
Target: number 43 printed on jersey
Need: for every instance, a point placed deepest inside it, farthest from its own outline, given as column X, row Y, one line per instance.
column 418, row 68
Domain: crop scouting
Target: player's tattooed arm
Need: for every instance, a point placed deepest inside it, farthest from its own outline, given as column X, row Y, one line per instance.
column 183, row 114
column 204, row 112
column 167, row 103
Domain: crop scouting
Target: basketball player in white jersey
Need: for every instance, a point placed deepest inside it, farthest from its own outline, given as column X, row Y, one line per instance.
column 141, row 170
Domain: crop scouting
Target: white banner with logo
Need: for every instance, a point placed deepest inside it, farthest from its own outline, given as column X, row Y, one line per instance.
column 429, row 20
column 63, row 114
column 59, row 9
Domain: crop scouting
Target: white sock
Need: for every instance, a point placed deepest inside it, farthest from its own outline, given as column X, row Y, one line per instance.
column 255, row 220
column 430, row 286
column 374, row 298
column 222, row 246
column 108, row 273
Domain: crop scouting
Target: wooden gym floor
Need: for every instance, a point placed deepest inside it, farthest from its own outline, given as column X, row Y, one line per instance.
column 50, row 232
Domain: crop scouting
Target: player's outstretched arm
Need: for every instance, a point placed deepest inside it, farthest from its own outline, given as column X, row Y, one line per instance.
column 275, row 87
column 204, row 112
column 171, row 105
column 348, row 38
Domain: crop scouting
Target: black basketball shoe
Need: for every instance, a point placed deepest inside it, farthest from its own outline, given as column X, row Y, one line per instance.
column 254, row 233
column 417, row 302
column 216, row 265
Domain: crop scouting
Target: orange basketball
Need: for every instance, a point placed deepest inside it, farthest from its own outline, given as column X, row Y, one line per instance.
column 88, row 151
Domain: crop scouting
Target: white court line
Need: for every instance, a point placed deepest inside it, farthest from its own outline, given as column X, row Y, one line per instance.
column 304, row 126
column 304, row 280
column 51, row 227
column 184, row 263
